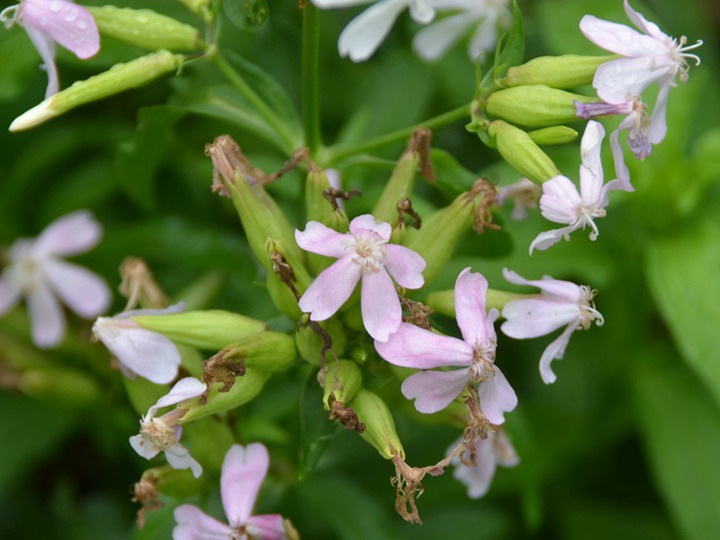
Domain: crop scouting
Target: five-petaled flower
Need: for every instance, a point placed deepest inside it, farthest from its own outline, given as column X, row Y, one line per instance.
column 363, row 255
column 140, row 351
column 416, row 347
column 162, row 434
column 561, row 202
column 49, row 21
column 562, row 303
column 37, row 272
column 243, row 471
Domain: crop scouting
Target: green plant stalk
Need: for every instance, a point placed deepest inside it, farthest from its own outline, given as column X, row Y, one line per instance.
column 310, row 77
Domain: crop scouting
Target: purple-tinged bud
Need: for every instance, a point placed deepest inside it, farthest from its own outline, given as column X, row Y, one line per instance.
column 535, row 105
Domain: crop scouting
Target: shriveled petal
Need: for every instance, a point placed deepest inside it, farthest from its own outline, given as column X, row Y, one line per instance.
column 45, row 46
column 405, row 266
column 380, row 305
column 623, row 79
column 361, row 38
column 554, row 351
column 496, row 397
column 434, row 390
column 69, row 235
column 620, row 39
column 194, row 524
column 434, row 41
column 267, row 527
column 331, row 289
column 69, row 24
column 658, row 122
column 81, row 290
column 46, row 316
column 470, row 291
column 591, row 173
column 317, row 238
column 178, row 457
column 243, row 472
column 547, row 239
column 560, row 200
column 10, row 291
column 533, row 317
column 184, row 389
column 143, row 447
column 149, row 354
column 367, row 222
column 416, row 347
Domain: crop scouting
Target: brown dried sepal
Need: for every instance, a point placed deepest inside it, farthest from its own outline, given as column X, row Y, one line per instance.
column 405, row 207
column 285, row 270
column 146, row 493
column 332, row 195
column 482, row 214
column 346, row 416
column 418, row 313
column 223, row 367
column 420, row 143
column 478, row 427
column 139, row 286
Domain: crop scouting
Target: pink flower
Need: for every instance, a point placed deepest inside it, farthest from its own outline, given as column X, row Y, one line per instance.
column 243, row 471
column 561, row 303
column 162, row 434
column 415, row 347
column 140, row 351
column 363, row 255
column 491, row 451
column 561, row 202
column 49, row 21
column 37, row 272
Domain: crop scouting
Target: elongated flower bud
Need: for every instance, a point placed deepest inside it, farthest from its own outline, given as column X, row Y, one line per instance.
column 145, row 28
column 310, row 343
column 522, row 153
column 443, row 302
column 343, row 380
column 117, row 79
column 380, row 430
column 264, row 351
column 287, row 280
column 535, row 106
column 567, row 71
column 553, row 135
column 398, row 187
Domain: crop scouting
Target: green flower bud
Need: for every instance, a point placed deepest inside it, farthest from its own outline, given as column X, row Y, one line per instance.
column 264, row 351
column 553, row 135
column 117, row 79
column 398, row 187
column 320, row 209
column 286, row 281
column 567, row 71
column 145, row 28
column 62, row 387
column 380, row 430
column 520, row 151
column 211, row 329
column 310, row 343
column 535, row 106
column 443, row 302
column 343, row 380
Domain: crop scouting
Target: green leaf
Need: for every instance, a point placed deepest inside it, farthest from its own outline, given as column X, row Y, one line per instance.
column 316, row 429
column 682, row 272
column 509, row 52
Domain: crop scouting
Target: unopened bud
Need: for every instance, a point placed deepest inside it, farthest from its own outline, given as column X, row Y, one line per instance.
column 117, row 79
column 287, row 280
column 553, row 135
column 443, row 302
column 567, row 71
column 380, row 430
column 264, row 351
column 522, row 153
column 343, row 380
column 535, row 106
column 312, row 338
column 320, row 206
column 145, row 28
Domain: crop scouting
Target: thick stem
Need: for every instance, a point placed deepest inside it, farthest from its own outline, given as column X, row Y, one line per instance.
column 310, row 73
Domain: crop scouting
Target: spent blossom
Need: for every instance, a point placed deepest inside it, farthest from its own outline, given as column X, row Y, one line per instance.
column 365, row 255
column 416, row 347
column 526, row 194
column 561, row 303
column 243, row 471
column 138, row 350
column 55, row 21
column 37, row 272
column 163, row 434
column 561, row 202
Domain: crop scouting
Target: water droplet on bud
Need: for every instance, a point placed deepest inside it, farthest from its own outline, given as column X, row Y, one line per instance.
column 247, row 14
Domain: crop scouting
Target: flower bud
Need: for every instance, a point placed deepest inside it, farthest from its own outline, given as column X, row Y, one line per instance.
column 59, row 386
column 379, row 424
column 145, row 28
column 343, row 380
column 567, row 71
column 553, row 135
column 535, row 106
column 117, row 79
column 310, row 343
column 210, row 329
column 521, row 152
column 286, row 281
column 443, row 302
column 264, row 351
column 398, row 187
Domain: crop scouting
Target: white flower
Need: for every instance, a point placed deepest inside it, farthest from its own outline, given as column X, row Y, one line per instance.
column 37, row 272
column 162, row 434
column 140, row 351
column 484, row 15
column 361, row 38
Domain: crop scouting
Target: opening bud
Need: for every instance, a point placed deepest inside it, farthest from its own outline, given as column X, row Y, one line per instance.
column 379, row 430
column 522, row 153
column 343, row 380
column 553, row 135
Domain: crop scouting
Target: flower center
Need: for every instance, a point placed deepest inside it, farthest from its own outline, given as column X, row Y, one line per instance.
column 158, row 434
column 586, row 216
column 483, row 364
column 370, row 252
column 680, row 56
column 588, row 313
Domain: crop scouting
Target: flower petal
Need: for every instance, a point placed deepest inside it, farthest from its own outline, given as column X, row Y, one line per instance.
column 563, row 290
column 194, row 524
column 267, row 527
column 416, row 347
column 10, row 291
column 434, row 390
column 367, row 222
column 504, row 451
column 621, row 170
column 331, row 289
column 361, row 38
column 69, row 24
column 560, row 200
column 46, row 316
column 554, row 351
column 591, row 173
column 405, row 266
column 470, row 291
column 178, row 457
column 624, row 79
column 658, row 122
column 547, row 239
column 81, row 290
column 45, row 46
column 496, row 397
column 620, row 39
column 421, row 11
column 478, row 477
column 243, row 472
column 643, row 24
column 434, row 41
column 317, row 238
column 184, row 389
column 69, row 235
column 533, row 317
column 380, row 305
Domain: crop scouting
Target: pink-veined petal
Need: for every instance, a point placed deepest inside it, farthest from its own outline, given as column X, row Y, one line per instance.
column 46, row 316
column 658, row 122
column 45, row 46
column 81, row 290
column 317, row 238
column 533, row 317
column 194, row 524
column 434, row 390
column 416, row 347
column 143, row 447
column 496, row 397
column 331, row 289
column 564, row 290
column 470, row 291
column 554, row 351
column 243, row 472
column 405, row 266
column 178, row 457
column 184, row 389
column 624, row 79
column 69, row 235
column 367, row 222
column 69, row 24
column 267, row 527
column 620, row 39
column 380, row 305
column 10, row 291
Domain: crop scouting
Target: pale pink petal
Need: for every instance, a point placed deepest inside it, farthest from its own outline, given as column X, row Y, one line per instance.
column 560, row 200
column 267, row 527
column 69, row 24
column 194, row 524
column 46, row 48
column 496, row 397
column 624, row 79
column 416, row 347
column 621, row 170
column 658, row 122
column 405, row 266
column 591, row 173
column 470, row 291
column 546, row 239
column 478, row 478
column 565, row 290
column 361, row 38
column 434, row 390
column 317, row 238
column 505, row 453
column 46, row 316
column 643, row 24
column 367, row 222
column 143, row 447
column 554, row 351
column 10, row 291
column 380, row 305
column 331, row 289
column 81, row 290
column 178, row 457
column 69, row 235
column 533, row 317
column 619, row 39
column 184, row 389
column 332, row 4
column 243, row 472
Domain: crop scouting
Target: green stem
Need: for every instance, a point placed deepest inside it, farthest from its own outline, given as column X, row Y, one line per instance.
column 342, row 151
column 310, row 72
column 255, row 101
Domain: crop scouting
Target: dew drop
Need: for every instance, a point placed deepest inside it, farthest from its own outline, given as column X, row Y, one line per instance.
column 56, row 6
column 71, row 14
column 247, row 14
column 82, row 24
